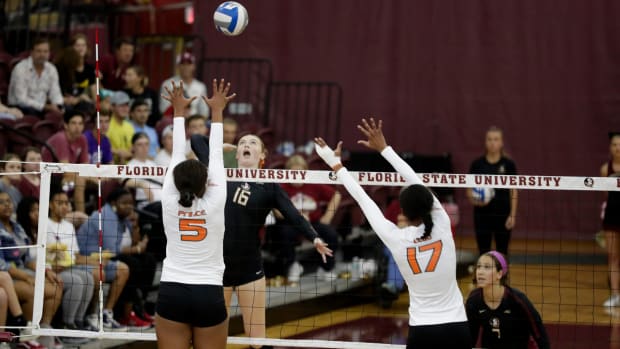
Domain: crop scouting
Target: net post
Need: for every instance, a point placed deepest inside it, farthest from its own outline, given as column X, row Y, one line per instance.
column 39, row 282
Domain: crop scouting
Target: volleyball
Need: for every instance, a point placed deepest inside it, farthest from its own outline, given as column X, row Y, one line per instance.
column 483, row 195
column 230, row 18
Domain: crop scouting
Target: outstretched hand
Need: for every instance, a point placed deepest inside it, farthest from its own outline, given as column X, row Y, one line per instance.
column 177, row 98
column 220, row 97
column 373, row 131
column 331, row 157
column 322, row 249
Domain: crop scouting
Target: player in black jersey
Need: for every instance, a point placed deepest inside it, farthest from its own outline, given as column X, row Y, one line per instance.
column 247, row 206
column 500, row 316
column 497, row 217
column 611, row 221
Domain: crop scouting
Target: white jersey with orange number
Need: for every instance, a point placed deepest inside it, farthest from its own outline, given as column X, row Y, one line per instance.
column 428, row 267
column 194, row 250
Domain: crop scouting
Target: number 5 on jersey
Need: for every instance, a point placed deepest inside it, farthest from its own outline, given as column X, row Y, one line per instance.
column 192, row 229
column 432, row 263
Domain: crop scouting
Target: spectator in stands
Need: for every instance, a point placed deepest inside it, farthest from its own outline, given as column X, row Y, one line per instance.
column 120, row 130
column 195, row 125
column 91, row 139
column 139, row 114
column 115, row 211
column 71, row 147
column 28, row 216
column 8, row 183
column 20, row 264
column 317, row 203
column 31, row 179
column 62, row 256
column 85, row 78
column 77, row 78
column 186, row 66
column 498, row 216
column 8, row 113
column 147, row 190
column 230, row 136
column 165, row 153
column 142, row 265
column 34, row 87
column 136, row 86
column 11, row 312
column 112, row 67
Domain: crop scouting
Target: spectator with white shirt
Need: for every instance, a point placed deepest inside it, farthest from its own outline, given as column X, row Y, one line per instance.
column 63, row 256
column 148, row 190
column 34, row 87
column 165, row 153
column 186, row 66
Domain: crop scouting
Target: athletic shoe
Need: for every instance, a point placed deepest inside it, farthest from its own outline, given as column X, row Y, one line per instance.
column 109, row 324
column 295, row 271
column 613, row 301
column 134, row 322
column 73, row 340
column 147, row 317
column 92, row 322
column 324, row 275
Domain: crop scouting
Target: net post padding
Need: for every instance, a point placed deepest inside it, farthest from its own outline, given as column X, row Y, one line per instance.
column 39, row 281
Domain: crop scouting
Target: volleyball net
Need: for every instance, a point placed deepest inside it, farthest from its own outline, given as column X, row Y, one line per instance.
column 348, row 280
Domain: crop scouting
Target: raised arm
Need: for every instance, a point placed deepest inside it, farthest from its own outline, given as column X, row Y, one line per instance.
column 373, row 214
column 217, row 102
column 179, row 102
column 376, row 141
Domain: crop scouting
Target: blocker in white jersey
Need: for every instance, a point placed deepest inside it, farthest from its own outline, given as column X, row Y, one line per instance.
column 424, row 250
column 191, row 305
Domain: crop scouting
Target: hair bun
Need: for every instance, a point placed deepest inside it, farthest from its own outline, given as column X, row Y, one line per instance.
column 186, row 199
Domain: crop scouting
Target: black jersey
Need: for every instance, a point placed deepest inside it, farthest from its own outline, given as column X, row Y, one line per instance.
column 611, row 219
column 247, row 207
column 509, row 326
column 500, row 204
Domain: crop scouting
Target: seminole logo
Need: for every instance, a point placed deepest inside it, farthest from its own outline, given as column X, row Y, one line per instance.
column 333, row 176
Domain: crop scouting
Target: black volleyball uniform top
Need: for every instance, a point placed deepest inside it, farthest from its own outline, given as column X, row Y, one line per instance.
column 247, row 207
column 611, row 219
column 509, row 326
column 500, row 204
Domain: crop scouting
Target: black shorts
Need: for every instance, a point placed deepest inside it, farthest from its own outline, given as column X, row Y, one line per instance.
column 237, row 274
column 434, row 336
column 197, row 305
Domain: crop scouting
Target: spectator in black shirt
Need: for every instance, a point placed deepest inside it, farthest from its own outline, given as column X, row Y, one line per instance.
column 137, row 88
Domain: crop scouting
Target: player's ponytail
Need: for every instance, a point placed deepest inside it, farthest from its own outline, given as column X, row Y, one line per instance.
column 186, row 199
column 190, row 179
column 428, row 225
column 416, row 202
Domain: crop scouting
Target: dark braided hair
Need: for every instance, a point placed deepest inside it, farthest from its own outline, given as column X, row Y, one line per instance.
column 416, row 202
column 190, row 178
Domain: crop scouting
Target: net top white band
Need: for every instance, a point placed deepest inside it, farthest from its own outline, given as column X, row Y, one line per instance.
column 448, row 180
